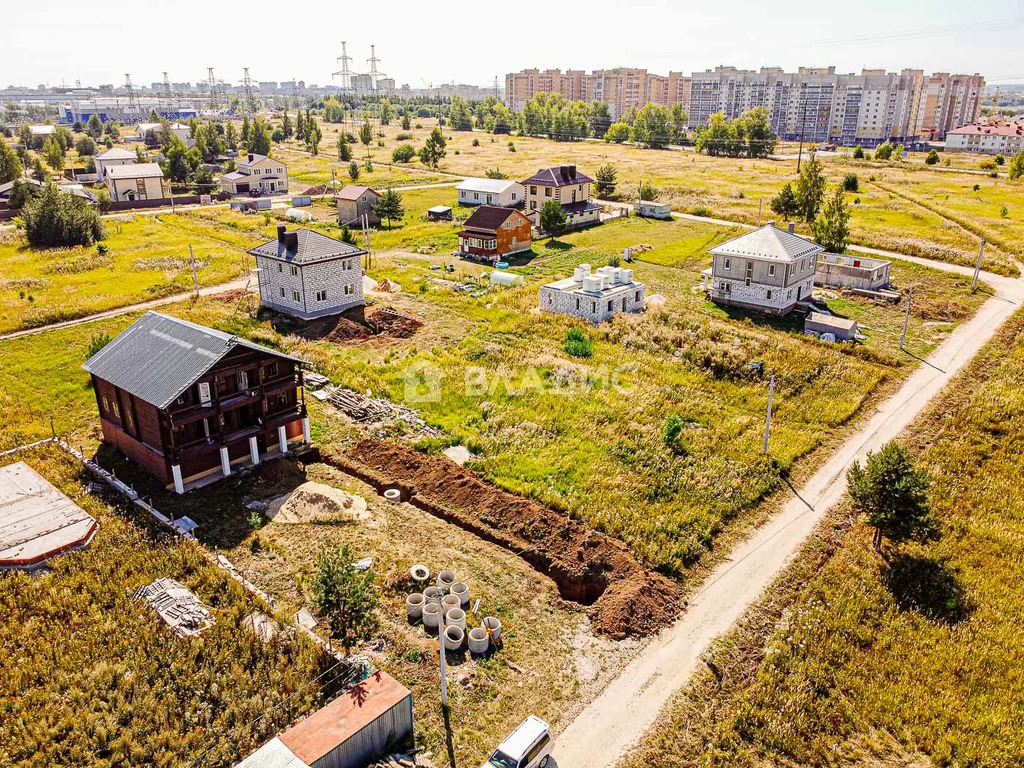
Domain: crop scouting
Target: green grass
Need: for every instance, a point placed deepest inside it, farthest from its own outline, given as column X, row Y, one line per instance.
column 877, row 661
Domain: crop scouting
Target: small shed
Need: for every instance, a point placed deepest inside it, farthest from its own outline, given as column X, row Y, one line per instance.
column 649, row 209
column 842, row 328
column 439, row 213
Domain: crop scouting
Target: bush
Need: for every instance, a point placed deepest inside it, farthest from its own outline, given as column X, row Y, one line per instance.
column 403, row 154
column 858, row 152
column 476, row 142
column 932, row 158
column 56, row 219
column 671, row 433
column 850, row 183
column 999, row 160
column 403, row 137
column 577, row 344
column 511, row 147
column 96, row 343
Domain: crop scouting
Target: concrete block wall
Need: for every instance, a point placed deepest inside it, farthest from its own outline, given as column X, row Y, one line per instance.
column 334, row 277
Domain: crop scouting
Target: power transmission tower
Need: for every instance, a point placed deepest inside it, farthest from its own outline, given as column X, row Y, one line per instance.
column 251, row 103
column 212, row 82
column 496, row 88
column 130, row 90
column 345, row 72
column 375, row 77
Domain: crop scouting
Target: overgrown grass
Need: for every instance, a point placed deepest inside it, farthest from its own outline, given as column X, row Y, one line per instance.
column 877, row 660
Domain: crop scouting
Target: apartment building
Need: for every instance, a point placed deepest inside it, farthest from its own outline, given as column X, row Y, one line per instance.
column 814, row 103
column 993, row 138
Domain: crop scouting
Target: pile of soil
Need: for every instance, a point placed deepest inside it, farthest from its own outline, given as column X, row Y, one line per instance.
column 624, row 597
column 387, row 322
column 316, row 503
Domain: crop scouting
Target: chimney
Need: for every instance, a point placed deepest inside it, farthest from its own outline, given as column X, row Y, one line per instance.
column 771, row 222
column 280, row 232
column 568, row 172
column 291, row 241
column 792, row 227
column 250, row 157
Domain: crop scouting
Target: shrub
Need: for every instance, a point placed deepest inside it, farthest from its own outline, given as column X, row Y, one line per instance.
column 53, row 219
column 671, row 433
column 577, row 344
column 999, row 160
column 511, row 147
column 858, row 152
column 403, row 154
column 932, row 158
column 476, row 142
column 850, row 183
column 403, row 137
column 96, row 343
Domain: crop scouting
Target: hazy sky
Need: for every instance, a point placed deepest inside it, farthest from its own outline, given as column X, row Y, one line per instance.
column 50, row 41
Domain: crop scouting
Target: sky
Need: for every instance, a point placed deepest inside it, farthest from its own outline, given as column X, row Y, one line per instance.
column 419, row 43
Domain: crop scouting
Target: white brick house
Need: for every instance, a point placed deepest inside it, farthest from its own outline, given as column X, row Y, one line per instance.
column 306, row 274
column 595, row 297
column 256, row 174
column 111, row 157
column 135, row 181
column 504, row 193
column 769, row 269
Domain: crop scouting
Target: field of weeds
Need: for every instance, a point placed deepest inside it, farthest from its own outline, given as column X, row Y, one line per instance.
column 914, row 657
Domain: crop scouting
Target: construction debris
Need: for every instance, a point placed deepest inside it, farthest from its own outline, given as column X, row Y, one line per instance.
column 388, row 286
column 316, row 503
column 369, row 411
column 403, row 760
column 261, row 625
column 177, row 606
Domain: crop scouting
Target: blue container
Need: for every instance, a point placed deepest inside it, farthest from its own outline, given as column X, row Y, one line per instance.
column 502, row 265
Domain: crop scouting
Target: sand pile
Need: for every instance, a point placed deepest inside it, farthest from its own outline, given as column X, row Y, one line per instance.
column 317, row 503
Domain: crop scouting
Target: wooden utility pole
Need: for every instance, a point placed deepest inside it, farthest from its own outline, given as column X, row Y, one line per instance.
column 768, row 418
column 195, row 274
column 906, row 317
column 759, row 212
column 977, row 267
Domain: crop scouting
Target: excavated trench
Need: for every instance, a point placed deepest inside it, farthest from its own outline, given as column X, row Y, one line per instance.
column 624, row 598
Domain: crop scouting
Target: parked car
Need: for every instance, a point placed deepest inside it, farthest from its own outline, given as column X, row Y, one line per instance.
column 528, row 746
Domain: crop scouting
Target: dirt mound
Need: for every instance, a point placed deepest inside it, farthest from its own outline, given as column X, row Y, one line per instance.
column 316, row 503
column 387, row 322
column 625, row 598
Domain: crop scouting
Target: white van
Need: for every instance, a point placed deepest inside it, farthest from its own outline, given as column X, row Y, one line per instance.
column 527, row 746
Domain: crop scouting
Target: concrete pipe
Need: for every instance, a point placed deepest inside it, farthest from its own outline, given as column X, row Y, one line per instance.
column 450, row 601
column 445, row 579
column 420, row 573
column 456, row 617
column 453, row 638
column 393, row 494
column 478, row 640
column 432, row 593
column 431, row 615
column 461, row 589
column 414, row 605
column 493, row 627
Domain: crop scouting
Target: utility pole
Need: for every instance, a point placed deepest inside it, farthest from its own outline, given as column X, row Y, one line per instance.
column 906, row 317
column 130, row 90
column 977, row 267
column 768, row 418
column 251, row 105
column 213, row 88
column 803, row 124
column 759, row 212
column 195, row 274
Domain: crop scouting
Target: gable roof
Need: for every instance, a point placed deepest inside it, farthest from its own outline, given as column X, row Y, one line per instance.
column 115, row 153
column 305, row 246
column 354, row 192
column 559, row 176
column 158, row 357
column 490, row 217
column 487, row 185
column 768, row 242
column 994, row 128
column 135, row 171
column 251, row 159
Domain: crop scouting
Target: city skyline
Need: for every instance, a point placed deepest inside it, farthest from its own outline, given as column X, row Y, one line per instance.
column 916, row 34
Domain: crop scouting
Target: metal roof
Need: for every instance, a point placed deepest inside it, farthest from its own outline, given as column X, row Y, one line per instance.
column 115, row 153
column 490, row 217
column 354, row 192
column 559, row 176
column 135, row 171
column 158, row 357
column 273, row 754
column 768, row 242
column 306, row 246
column 487, row 185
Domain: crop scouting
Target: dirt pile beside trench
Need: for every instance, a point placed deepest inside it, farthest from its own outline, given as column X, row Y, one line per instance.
column 624, row 597
column 316, row 503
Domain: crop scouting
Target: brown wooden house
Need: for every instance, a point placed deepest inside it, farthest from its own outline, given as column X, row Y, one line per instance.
column 187, row 402
column 492, row 233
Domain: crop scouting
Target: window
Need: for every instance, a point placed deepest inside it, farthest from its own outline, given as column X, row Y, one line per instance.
column 117, row 410
column 106, row 405
column 321, row 295
column 282, row 293
column 534, row 753
column 204, row 392
column 476, row 195
column 533, row 190
column 128, row 415
column 296, row 296
column 638, row 296
column 533, row 205
column 593, row 306
column 771, row 270
column 349, row 290
column 609, row 305
column 508, row 224
column 272, row 370
column 547, row 191
column 577, row 303
column 280, row 267
column 769, row 294
column 243, row 380
column 295, row 271
column 728, row 264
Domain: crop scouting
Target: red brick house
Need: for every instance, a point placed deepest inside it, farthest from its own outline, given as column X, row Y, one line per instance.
column 188, row 402
column 492, row 233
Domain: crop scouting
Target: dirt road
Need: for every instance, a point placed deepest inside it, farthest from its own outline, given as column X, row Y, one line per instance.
column 603, row 732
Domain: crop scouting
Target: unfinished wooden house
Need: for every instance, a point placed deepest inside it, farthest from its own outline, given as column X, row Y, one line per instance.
column 189, row 403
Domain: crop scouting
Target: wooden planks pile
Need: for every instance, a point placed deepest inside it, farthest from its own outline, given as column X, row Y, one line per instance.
column 365, row 410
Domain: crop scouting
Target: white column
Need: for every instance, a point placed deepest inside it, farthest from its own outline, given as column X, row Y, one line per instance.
column 305, row 429
column 179, row 487
column 282, row 439
column 254, row 450
column 225, row 461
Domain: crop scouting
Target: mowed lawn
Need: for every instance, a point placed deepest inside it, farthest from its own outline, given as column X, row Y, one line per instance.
column 582, row 435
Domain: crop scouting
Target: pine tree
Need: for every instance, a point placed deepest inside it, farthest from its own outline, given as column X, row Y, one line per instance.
column 831, row 228
column 344, row 596
column 389, row 206
column 893, row 494
column 810, row 188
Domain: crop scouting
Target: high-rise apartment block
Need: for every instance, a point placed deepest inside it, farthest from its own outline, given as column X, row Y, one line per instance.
column 816, row 104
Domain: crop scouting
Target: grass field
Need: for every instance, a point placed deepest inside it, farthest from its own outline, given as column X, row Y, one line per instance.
column 909, row 660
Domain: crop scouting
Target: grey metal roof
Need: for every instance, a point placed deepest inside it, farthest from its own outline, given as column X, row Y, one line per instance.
column 273, row 754
column 307, row 247
column 158, row 357
column 135, row 171
column 768, row 242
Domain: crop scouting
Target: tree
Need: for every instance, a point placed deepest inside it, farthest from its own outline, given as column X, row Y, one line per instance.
column 606, row 180
column 858, row 152
column 231, row 136
column 10, row 166
column 333, row 111
column 718, row 137
column 761, row 139
column 389, row 206
column 433, row 149
column 495, row 173
column 85, row 146
column 141, row 156
column 884, row 151
column 287, row 128
column 180, row 161
column 897, row 152
column 932, row 158
column 53, row 154
column 831, row 229
column 53, row 218
column 344, row 149
column 313, row 136
column 599, row 119
column 201, row 179
column 652, row 127
column 22, row 192
column 406, row 122
column 386, row 112
column 344, row 596
column 259, row 137
column 810, row 188
column 999, row 160
column 1016, row 169
column 347, row 236
column 94, row 127
column 300, row 125
column 459, row 114
column 785, row 203
column 247, row 127
column 38, row 172
column 403, row 154
column 552, row 218
column 679, row 121
column 366, row 135
column 851, row 183
column 892, row 493
column 648, row 192
column 353, row 170
column 617, row 133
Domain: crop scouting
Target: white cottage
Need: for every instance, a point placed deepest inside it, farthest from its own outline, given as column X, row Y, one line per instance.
column 769, row 269
column 256, row 174
column 306, row 274
column 109, row 158
column 595, row 297
column 501, row 193
column 136, row 181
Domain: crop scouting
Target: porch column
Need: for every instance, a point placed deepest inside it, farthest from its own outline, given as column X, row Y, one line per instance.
column 282, row 439
column 305, row 429
column 225, row 461
column 179, row 487
column 254, row 450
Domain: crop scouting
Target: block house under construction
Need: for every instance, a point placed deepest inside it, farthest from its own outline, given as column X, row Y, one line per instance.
column 188, row 402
